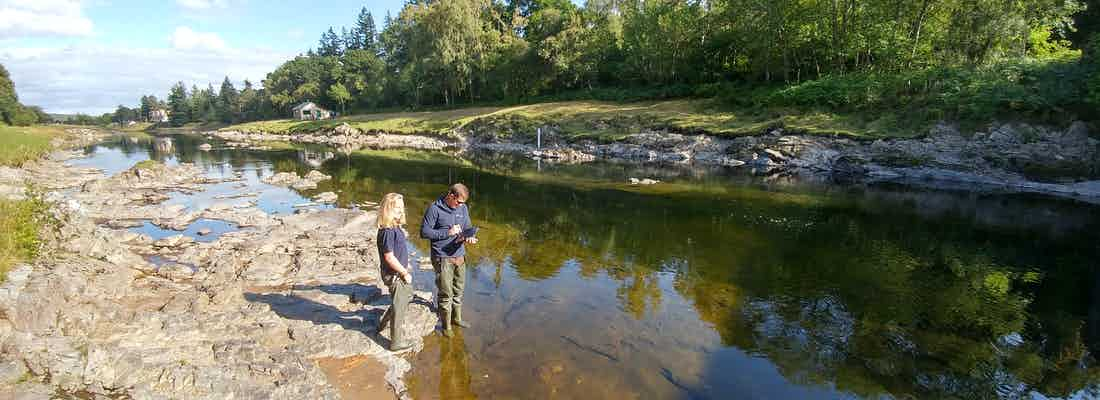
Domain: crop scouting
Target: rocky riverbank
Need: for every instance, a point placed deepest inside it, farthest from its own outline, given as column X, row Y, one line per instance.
column 108, row 312
column 1006, row 157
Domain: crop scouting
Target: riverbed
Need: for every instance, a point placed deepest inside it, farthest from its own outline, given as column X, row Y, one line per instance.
column 717, row 282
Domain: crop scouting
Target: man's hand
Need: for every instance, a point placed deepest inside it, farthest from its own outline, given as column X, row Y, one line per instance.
column 455, row 230
column 406, row 277
column 471, row 240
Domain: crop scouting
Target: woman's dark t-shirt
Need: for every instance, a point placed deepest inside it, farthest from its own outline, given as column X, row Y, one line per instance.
column 392, row 239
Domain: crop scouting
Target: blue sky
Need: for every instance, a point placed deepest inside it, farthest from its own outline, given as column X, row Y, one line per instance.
column 91, row 55
column 281, row 25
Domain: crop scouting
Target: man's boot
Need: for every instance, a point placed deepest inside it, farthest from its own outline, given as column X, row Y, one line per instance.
column 456, row 316
column 445, row 316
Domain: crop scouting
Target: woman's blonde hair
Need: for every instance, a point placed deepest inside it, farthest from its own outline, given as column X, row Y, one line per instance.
column 388, row 217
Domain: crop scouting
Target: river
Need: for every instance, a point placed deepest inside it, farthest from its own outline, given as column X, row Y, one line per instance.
column 718, row 283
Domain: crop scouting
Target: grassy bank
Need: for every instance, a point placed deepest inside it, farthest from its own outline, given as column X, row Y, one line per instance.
column 22, row 220
column 19, row 144
column 185, row 128
column 601, row 120
column 858, row 105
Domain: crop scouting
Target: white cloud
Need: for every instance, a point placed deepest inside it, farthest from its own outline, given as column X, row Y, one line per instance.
column 23, row 18
column 186, row 39
column 94, row 80
column 202, row 5
column 296, row 33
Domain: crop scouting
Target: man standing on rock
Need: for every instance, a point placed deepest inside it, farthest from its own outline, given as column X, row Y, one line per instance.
column 447, row 225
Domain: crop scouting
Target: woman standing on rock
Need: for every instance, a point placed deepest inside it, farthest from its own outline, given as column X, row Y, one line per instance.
column 393, row 253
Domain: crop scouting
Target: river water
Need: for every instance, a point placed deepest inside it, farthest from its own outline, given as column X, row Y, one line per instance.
column 718, row 284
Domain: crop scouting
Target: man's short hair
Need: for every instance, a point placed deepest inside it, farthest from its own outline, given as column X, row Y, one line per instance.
column 459, row 191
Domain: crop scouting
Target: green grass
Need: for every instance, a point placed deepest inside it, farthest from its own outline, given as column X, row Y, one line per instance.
column 20, row 222
column 19, row 144
column 599, row 120
column 137, row 127
column 190, row 126
column 147, row 165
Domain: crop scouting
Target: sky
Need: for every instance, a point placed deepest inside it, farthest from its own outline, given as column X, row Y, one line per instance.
column 89, row 56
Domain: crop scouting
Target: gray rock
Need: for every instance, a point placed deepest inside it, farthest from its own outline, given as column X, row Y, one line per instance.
column 345, row 129
column 12, row 372
column 174, row 241
column 775, row 155
column 281, row 179
column 326, row 198
column 317, row 176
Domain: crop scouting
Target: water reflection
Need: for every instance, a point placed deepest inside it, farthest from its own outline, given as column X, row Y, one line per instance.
column 314, row 159
column 454, row 369
column 716, row 284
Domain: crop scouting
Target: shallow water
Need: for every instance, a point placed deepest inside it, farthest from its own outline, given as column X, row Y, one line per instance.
column 719, row 284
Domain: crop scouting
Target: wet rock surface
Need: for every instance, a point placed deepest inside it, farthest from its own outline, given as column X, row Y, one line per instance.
column 243, row 316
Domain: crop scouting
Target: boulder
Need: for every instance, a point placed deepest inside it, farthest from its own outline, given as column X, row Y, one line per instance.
column 173, row 241
column 345, row 129
column 326, row 198
column 304, row 185
column 317, row 176
column 775, row 155
column 282, row 179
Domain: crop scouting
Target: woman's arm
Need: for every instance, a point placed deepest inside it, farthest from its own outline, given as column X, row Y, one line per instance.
column 395, row 265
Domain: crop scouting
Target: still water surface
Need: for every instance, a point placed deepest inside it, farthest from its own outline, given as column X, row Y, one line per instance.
column 719, row 284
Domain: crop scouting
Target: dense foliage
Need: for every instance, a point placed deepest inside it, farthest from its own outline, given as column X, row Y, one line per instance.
column 928, row 59
column 12, row 112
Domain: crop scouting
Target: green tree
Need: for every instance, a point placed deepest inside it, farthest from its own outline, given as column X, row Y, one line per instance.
column 148, row 104
column 339, row 94
column 229, row 102
column 330, row 44
column 179, row 106
column 365, row 32
column 11, row 111
column 124, row 115
column 363, row 77
column 41, row 116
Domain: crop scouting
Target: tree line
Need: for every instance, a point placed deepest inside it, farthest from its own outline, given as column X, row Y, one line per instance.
column 12, row 112
column 453, row 52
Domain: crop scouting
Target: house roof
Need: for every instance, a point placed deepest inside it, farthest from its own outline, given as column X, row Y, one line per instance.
column 305, row 105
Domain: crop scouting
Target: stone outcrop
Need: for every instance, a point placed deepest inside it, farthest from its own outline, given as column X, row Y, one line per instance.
column 291, row 179
column 346, row 138
column 1015, row 157
column 109, row 313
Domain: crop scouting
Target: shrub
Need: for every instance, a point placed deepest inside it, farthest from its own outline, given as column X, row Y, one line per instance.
column 20, row 224
column 1037, row 89
column 1092, row 64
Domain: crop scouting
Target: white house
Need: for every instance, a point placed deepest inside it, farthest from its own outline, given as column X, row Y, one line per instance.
column 159, row 115
column 310, row 111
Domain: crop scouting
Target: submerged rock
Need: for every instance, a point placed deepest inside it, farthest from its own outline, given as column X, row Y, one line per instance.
column 291, row 179
column 326, row 197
